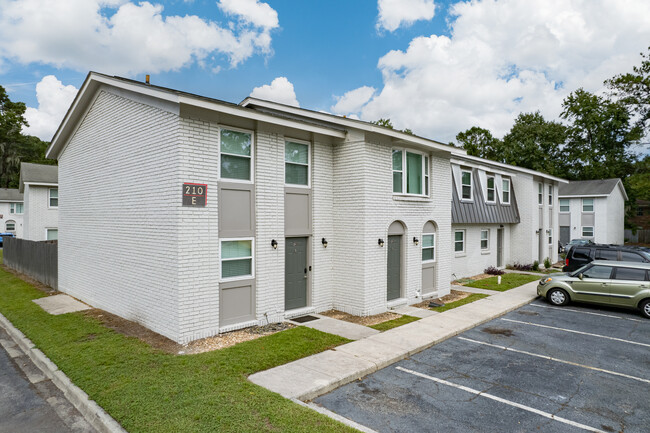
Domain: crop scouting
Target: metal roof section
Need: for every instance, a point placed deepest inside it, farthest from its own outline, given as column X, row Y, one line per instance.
column 511, row 168
column 10, row 194
column 42, row 174
column 593, row 188
column 478, row 211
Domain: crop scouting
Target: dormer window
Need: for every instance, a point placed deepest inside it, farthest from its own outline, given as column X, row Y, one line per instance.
column 505, row 193
column 491, row 194
column 466, row 182
column 410, row 173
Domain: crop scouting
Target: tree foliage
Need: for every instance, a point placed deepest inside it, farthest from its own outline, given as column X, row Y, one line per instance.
column 633, row 90
column 386, row 123
column 480, row 142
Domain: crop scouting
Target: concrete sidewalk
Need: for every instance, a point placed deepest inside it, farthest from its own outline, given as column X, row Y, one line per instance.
column 318, row 374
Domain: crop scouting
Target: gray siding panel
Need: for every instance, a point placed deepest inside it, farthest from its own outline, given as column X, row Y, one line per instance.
column 480, row 212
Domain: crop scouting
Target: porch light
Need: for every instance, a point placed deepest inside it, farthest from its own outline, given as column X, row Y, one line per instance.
column 274, row 244
column 324, row 242
column 380, row 242
column 416, row 240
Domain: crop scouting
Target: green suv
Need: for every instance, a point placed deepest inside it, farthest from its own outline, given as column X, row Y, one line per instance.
column 620, row 284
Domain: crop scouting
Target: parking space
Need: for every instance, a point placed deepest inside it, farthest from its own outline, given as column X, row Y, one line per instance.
column 539, row 368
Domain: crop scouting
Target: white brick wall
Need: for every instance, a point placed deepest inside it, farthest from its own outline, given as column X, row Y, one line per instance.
column 475, row 260
column 5, row 209
column 609, row 218
column 38, row 215
column 120, row 225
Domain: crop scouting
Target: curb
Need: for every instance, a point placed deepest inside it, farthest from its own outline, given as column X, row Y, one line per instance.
column 91, row 411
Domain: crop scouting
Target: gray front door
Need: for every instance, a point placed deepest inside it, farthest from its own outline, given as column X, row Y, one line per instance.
column 565, row 234
column 499, row 247
column 295, row 273
column 394, row 267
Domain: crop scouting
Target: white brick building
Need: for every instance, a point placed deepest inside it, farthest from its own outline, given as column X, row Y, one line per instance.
column 594, row 210
column 39, row 186
column 11, row 211
column 304, row 211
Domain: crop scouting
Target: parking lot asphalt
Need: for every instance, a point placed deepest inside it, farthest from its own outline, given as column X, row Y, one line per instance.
column 537, row 369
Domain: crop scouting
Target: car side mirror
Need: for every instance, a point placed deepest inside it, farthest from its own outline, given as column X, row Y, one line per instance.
column 581, row 276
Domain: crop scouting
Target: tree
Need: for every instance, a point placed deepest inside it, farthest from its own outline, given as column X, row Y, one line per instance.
column 386, row 123
column 633, row 90
column 480, row 142
column 535, row 143
column 639, row 181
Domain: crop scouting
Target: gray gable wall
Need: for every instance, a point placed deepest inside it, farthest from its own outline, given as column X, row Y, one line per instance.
column 480, row 212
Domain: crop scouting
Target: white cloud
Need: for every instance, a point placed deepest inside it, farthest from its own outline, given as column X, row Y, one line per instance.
column 395, row 13
column 120, row 37
column 352, row 101
column 505, row 57
column 53, row 101
column 251, row 11
column 280, row 90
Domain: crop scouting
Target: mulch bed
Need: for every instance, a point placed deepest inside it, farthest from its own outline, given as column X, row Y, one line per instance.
column 359, row 320
column 455, row 295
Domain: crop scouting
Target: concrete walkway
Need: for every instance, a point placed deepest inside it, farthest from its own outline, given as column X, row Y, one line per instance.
column 60, row 304
column 474, row 290
column 315, row 375
column 414, row 311
column 351, row 331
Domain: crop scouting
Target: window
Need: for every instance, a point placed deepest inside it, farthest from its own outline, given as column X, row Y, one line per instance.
column 428, row 247
column 416, row 168
column 564, row 205
column 550, row 195
column 630, row 274
column 602, row 272
column 587, row 232
column 54, row 197
column 490, row 189
column 16, row 208
column 582, row 254
column 505, row 194
column 236, row 155
column 550, row 236
column 51, row 234
column 236, row 259
column 10, row 226
column 607, row 255
column 296, row 163
column 485, row 239
column 627, row 256
column 466, row 181
column 459, row 241
column 540, row 193
column 587, row 204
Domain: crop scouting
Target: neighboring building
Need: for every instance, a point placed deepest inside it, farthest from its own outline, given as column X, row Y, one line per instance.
column 39, row 186
column 11, row 211
column 594, row 210
column 499, row 215
column 641, row 219
column 305, row 211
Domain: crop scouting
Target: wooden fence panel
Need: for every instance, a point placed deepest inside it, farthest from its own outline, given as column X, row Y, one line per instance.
column 38, row 260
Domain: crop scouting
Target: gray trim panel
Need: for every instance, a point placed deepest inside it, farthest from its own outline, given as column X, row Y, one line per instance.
column 478, row 211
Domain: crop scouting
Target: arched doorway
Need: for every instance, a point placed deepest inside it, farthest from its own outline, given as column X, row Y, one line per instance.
column 429, row 247
column 396, row 234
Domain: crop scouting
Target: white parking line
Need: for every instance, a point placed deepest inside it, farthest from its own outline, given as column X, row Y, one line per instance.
column 550, row 358
column 502, row 400
column 586, row 312
column 578, row 332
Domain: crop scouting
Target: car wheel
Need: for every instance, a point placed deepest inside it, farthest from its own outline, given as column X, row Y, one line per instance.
column 557, row 297
column 645, row 308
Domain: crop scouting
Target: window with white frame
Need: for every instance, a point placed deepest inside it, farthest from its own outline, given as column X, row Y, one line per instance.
column 54, row 197
column 51, row 234
column 491, row 194
column 587, row 232
column 236, row 155
column 410, row 173
column 485, row 239
column 505, row 191
column 236, row 259
column 296, row 163
column 587, row 204
column 459, row 241
column 16, row 208
column 428, row 247
column 540, row 193
column 550, row 195
column 10, row 226
column 564, row 205
column 466, row 182
column 550, row 236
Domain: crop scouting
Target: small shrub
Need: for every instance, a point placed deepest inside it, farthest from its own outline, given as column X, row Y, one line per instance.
column 521, row 267
column 493, row 271
column 535, row 266
column 547, row 263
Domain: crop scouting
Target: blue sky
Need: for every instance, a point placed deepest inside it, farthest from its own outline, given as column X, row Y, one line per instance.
column 437, row 67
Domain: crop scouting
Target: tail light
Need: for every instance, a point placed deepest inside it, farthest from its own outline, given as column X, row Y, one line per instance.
column 566, row 262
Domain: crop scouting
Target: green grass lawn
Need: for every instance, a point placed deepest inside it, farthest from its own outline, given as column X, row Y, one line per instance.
column 508, row 281
column 467, row 300
column 390, row 324
column 146, row 390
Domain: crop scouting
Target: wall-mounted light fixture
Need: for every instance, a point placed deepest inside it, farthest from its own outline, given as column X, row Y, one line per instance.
column 274, row 244
column 324, row 242
column 380, row 242
column 416, row 240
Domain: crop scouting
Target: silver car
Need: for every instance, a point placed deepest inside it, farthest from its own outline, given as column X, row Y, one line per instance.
column 620, row 284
